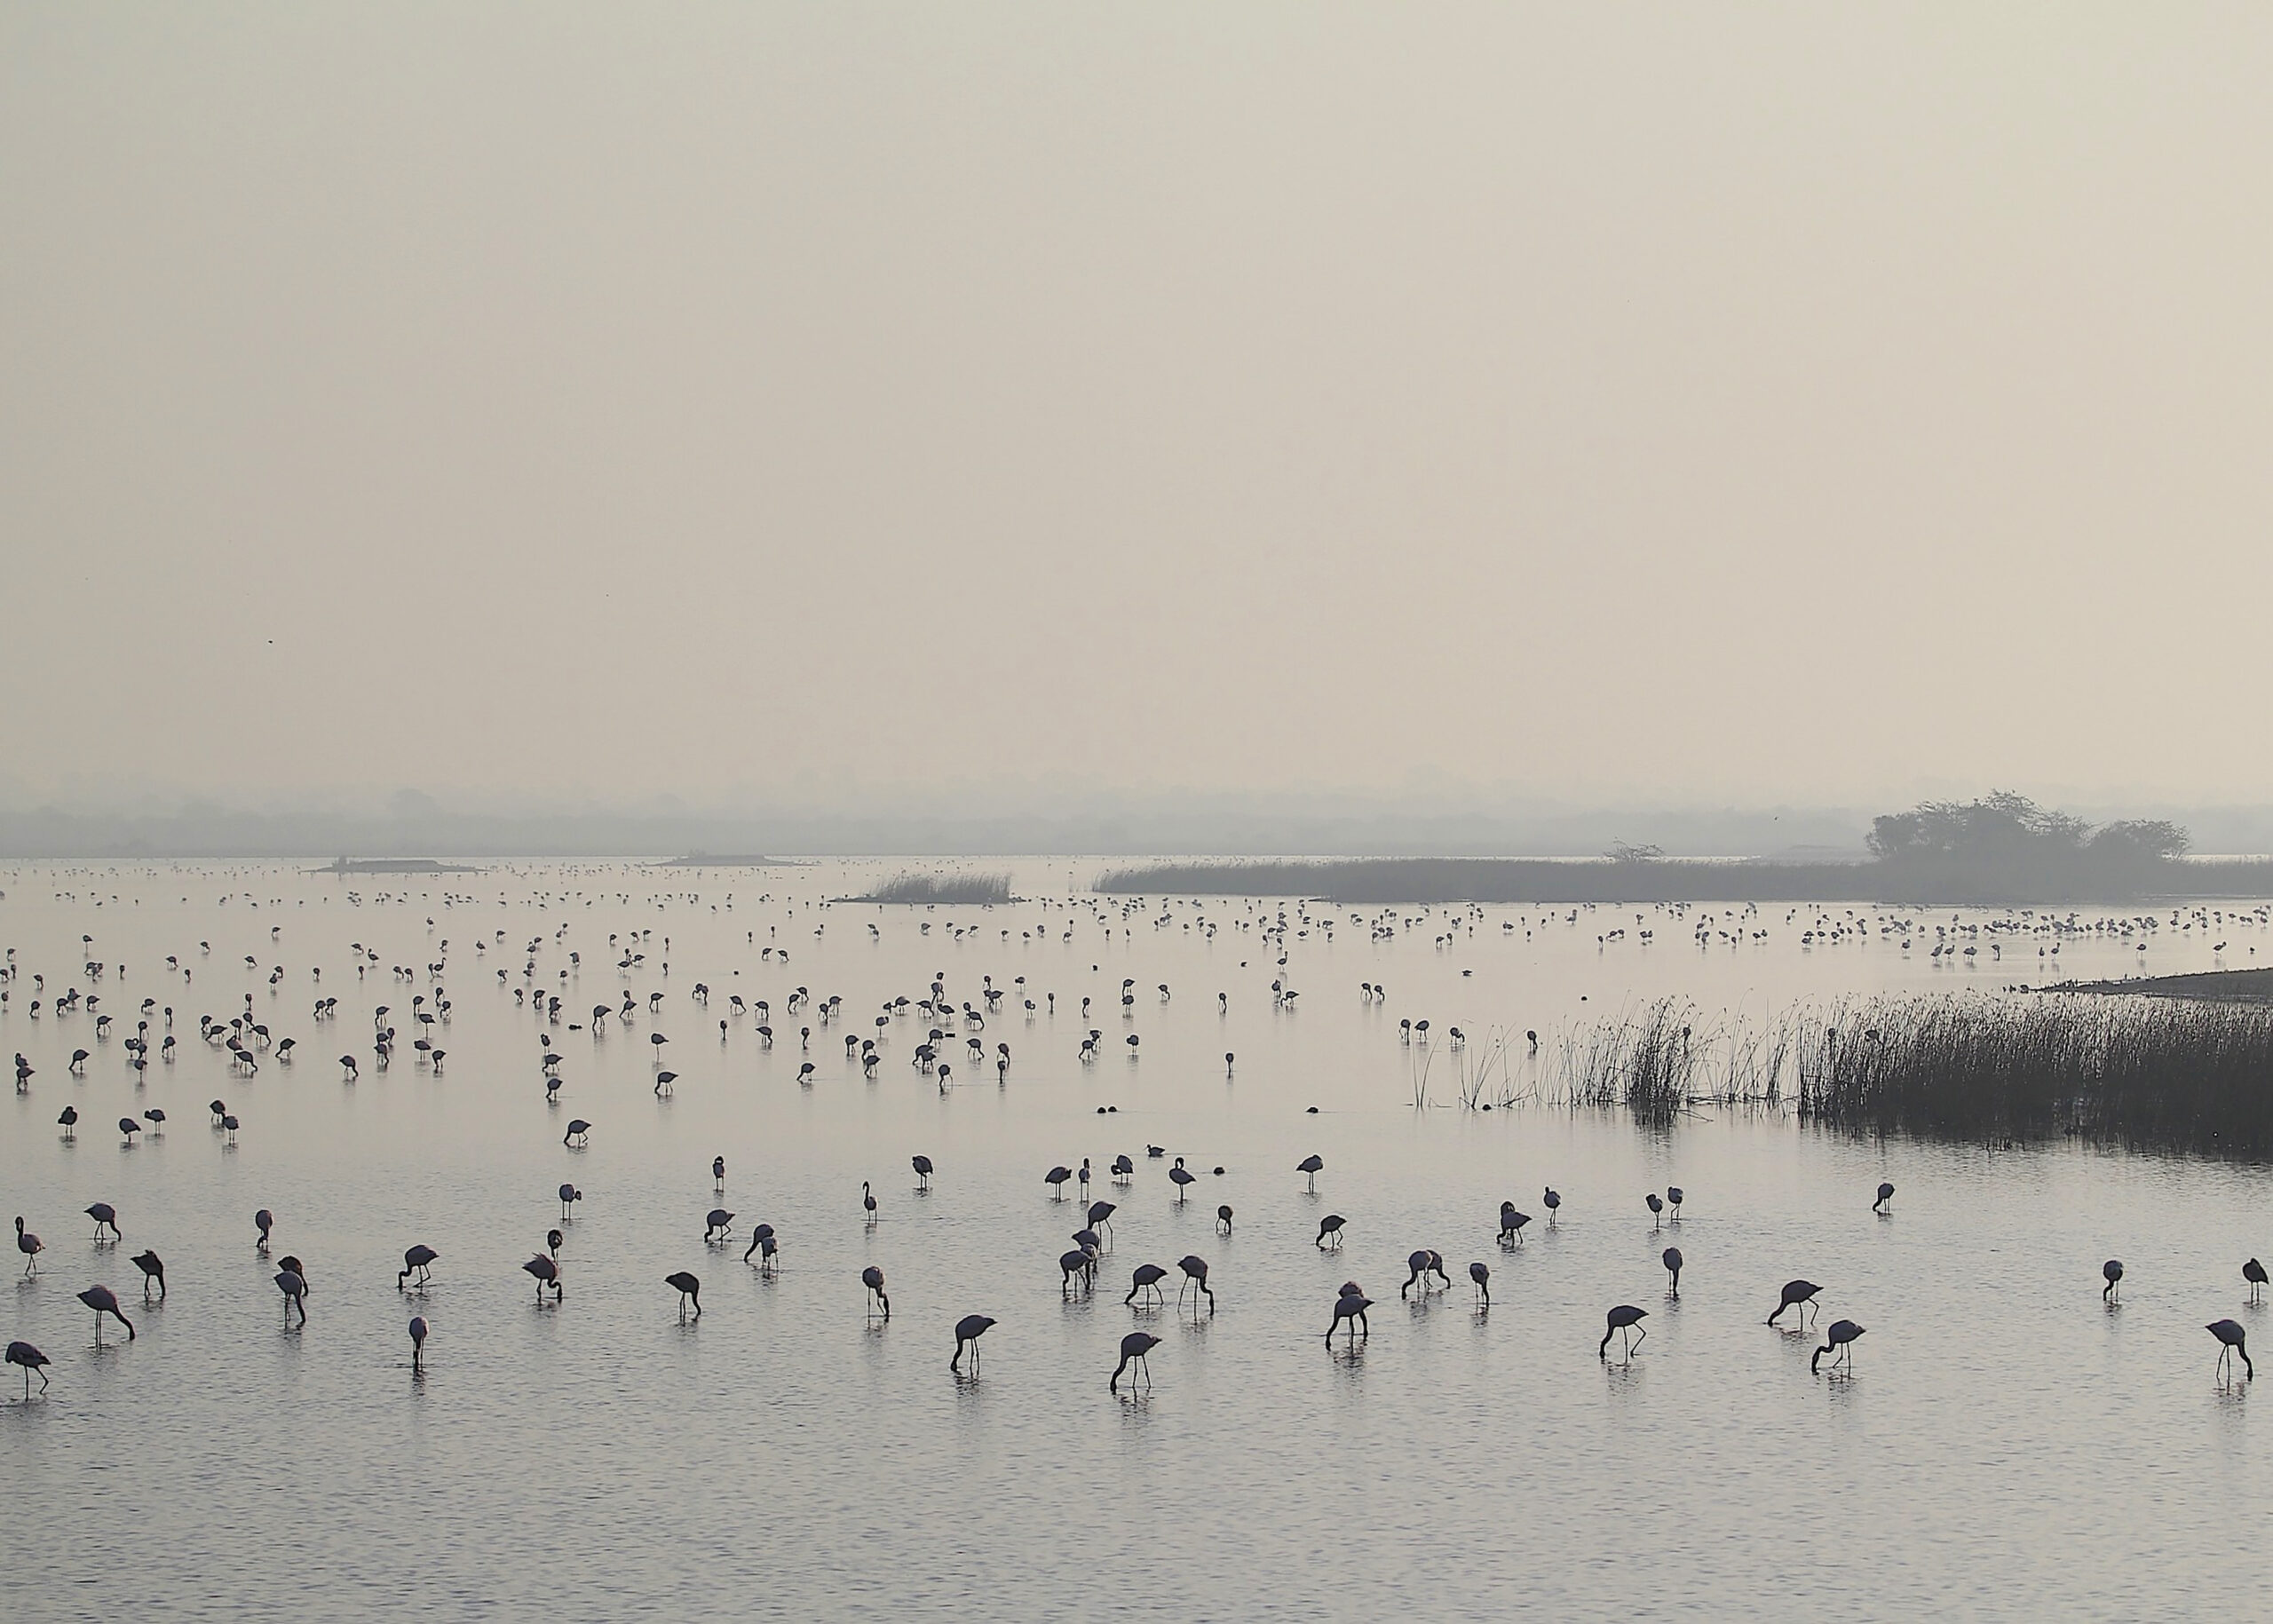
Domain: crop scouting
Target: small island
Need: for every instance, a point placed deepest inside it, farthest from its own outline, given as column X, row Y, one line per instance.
column 704, row 859
column 393, row 864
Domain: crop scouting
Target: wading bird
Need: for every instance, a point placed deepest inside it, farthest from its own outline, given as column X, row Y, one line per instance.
column 969, row 1329
column 2227, row 1331
column 104, row 1301
column 28, row 1359
column 1840, row 1337
column 690, row 1290
column 1624, row 1320
column 1134, row 1347
column 1799, row 1295
column 1350, row 1308
column 152, row 1268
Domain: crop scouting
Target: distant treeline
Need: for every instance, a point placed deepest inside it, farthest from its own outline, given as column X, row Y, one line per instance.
column 2001, row 850
column 1386, row 880
column 932, row 889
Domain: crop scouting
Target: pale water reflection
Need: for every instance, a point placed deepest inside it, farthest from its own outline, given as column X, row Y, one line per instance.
column 2008, row 1444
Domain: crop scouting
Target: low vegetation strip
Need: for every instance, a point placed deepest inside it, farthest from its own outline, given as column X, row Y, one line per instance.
column 2158, row 1073
column 2218, row 986
column 929, row 889
column 2155, row 1073
column 1380, row 882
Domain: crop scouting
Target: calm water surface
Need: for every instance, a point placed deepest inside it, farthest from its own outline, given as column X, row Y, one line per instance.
column 2007, row 1446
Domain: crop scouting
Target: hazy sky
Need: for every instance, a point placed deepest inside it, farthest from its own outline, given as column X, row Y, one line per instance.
column 1712, row 402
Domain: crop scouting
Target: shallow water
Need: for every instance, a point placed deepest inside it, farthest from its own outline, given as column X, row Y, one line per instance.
column 2008, row 1445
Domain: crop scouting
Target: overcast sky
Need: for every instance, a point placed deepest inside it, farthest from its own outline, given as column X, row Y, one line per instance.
column 1705, row 403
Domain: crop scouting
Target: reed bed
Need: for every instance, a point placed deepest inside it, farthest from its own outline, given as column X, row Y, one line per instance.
column 2153, row 1073
column 2150, row 1073
column 924, row 890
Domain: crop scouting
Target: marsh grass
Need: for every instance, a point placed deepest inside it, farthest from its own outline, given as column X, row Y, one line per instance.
column 930, row 888
column 2153, row 1073
column 2150, row 1073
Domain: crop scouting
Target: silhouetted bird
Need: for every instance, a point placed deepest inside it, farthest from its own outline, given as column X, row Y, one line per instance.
column 1624, row 1319
column 1799, row 1294
column 690, row 1290
column 969, row 1329
column 1134, row 1347
column 1840, row 1337
column 2227, row 1331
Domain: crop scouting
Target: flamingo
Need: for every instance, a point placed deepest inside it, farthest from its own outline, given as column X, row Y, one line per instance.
column 1134, row 1347
column 1799, row 1294
column 104, row 1301
column 690, row 1290
column 31, row 1245
column 1081, row 1261
column 2227, row 1331
column 868, row 1200
column 1195, row 1274
column 2253, row 1272
column 1223, row 1219
column 1423, row 1262
column 1350, row 1308
column 1553, row 1202
column 1840, row 1337
column 105, row 1216
column 1330, row 1224
column 1182, row 1178
column 969, row 1329
column 416, row 1260
column 2112, row 1271
column 569, row 1196
column 1625, row 1319
column 873, row 1278
column 263, row 1220
column 1055, row 1179
column 152, row 1268
column 546, row 1272
column 1482, row 1276
column 761, row 1239
column 28, row 1359
column 716, row 1225
column 295, row 1288
column 1311, row 1166
column 417, row 1341
column 1146, row 1277
column 1886, row 1196
column 923, row 1170
column 1671, row 1258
